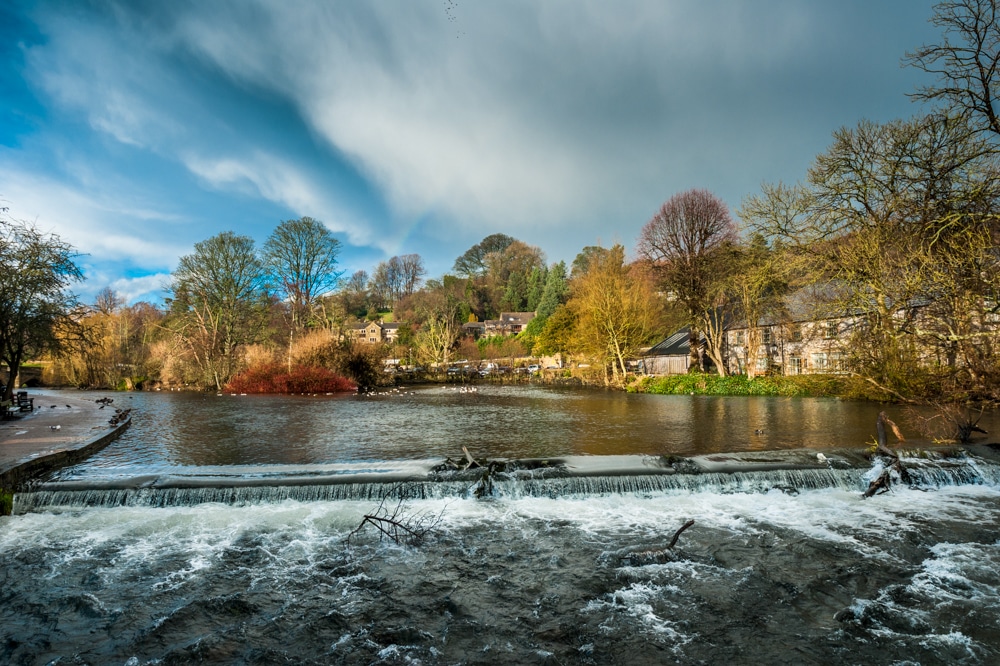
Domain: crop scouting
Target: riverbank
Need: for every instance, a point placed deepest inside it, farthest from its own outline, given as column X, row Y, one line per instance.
column 811, row 386
column 61, row 430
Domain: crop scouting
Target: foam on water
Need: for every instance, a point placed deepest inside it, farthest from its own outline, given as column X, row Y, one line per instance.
column 515, row 576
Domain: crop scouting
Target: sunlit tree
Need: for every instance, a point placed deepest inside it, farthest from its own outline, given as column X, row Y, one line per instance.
column 36, row 308
column 220, row 303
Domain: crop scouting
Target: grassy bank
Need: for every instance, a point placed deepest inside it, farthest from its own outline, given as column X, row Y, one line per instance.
column 705, row 384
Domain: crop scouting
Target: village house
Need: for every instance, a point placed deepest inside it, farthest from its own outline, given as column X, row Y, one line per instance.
column 375, row 332
column 801, row 339
column 509, row 323
column 790, row 348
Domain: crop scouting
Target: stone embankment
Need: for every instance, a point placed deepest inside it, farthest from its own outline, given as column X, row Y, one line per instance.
column 62, row 430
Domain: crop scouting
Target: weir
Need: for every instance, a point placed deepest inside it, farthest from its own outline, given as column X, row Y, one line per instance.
column 572, row 476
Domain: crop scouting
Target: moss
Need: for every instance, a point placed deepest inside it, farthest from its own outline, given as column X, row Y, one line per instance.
column 6, row 502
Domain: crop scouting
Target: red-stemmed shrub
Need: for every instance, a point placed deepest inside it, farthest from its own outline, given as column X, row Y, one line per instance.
column 275, row 378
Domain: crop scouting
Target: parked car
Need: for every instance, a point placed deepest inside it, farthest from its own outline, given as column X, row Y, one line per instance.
column 533, row 368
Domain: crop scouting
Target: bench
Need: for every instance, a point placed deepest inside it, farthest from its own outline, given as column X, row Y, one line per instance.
column 24, row 403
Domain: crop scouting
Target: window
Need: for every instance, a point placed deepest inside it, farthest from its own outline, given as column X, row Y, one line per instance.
column 766, row 337
column 741, row 337
column 832, row 330
column 819, row 362
column 795, row 333
column 838, row 362
column 762, row 364
column 795, row 365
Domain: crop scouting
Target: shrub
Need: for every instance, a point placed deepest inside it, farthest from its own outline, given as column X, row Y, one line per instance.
column 275, row 378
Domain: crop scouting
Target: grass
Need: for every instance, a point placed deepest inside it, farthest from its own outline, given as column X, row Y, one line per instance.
column 735, row 385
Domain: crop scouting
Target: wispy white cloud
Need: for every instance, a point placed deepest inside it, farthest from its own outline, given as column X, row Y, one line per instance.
column 280, row 180
column 559, row 122
column 100, row 225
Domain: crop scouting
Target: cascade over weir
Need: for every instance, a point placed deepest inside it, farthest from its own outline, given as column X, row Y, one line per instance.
column 761, row 471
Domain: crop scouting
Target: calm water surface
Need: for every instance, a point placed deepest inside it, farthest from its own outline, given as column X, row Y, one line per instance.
column 194, row 429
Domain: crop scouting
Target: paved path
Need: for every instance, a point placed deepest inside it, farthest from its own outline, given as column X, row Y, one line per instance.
column 29, row 443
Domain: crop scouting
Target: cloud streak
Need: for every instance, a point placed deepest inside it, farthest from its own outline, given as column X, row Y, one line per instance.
column 401, row 123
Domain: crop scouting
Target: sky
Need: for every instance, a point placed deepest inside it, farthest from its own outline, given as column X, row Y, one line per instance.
column 134, row 129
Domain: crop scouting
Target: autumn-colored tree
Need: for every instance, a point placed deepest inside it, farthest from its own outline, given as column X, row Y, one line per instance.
column 688, row 243
column 617, row 310
column 116, row 352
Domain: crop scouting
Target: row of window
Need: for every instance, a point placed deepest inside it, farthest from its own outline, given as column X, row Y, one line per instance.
column 830, row 330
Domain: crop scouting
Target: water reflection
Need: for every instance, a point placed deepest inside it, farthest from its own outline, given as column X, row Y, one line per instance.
column 189, row 429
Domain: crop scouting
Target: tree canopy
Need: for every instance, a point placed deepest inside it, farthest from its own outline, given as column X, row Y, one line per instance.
column 36, row 308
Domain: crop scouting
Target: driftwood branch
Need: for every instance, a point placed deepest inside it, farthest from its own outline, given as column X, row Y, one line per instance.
column 655, row 556
column 397, row 524
column 677, row 534
column 883, row 483
column 472, row 461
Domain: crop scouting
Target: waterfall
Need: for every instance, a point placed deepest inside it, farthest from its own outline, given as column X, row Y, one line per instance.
column 513, row 484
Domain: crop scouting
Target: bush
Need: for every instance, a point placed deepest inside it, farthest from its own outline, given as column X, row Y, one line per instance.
column 275, row 378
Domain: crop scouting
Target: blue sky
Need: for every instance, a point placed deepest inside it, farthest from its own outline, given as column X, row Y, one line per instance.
column 135, row 129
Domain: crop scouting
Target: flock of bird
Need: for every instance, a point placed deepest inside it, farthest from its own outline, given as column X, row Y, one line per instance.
column 118, row 418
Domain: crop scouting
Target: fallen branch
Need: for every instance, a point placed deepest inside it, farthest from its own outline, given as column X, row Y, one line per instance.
column 656, row 556
column 472, row 461
column 397, row 524
column 677, row 534
column 883, row 483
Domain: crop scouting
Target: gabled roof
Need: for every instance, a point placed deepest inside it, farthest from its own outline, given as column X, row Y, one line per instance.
column 677, row 344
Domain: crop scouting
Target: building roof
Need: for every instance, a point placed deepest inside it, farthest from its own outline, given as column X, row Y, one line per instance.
column 677, row 344
column 516, row 317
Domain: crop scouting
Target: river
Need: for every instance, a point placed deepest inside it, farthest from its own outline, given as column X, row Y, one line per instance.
column 126, row 559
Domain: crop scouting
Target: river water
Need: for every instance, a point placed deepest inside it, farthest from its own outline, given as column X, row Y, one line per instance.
column 123, row 560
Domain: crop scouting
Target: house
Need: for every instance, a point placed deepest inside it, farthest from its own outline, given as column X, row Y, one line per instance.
column 790, row 348
column 476, row 329
column 375, row 332
column 509, row 323
column 672, row 356
column 803, row 338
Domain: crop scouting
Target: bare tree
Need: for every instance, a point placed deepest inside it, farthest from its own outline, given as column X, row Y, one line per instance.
column 302, row 258
column 687, row 242
column 411, row 271
column 220, row 299
column 966, row 63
